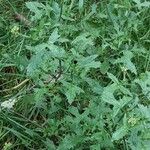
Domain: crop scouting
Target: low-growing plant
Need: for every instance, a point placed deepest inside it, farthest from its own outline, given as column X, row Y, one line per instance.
column 75, row 75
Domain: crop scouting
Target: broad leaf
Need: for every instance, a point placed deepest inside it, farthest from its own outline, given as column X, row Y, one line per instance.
column 107, row 95
column 120, row 133
column 71, row 91
column 95, row 86
column 112, row 77
column 89, row 62
column 145, row 111
column 126, row 61
column 54, row 36
column 35, row 8
column 144, row 82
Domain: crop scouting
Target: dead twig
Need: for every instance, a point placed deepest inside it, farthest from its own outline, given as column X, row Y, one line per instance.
column 22, row 19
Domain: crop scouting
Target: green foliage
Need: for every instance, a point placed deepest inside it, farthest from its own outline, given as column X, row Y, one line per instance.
column 77, row 76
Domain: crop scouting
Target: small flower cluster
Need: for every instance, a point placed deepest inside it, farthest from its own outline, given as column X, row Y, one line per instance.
column 15, row 30
column 7, row 146
column 8, row 104
column 133, row 121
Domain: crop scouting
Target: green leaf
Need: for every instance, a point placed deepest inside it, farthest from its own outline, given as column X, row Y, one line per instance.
column 112, row 77
column 56, row 9
column 145, row 111
column 34, row 7
column 144, row 82
column 139, row 4
column 50, row 145
column 55, row 51
column 145, row 4
column 67, row 143
column 71, row 91
column 125, row 91
column 67, row 18
column 126, row 61
column 83, row 41
column 94, row 7
column 89, row 62
column 122, row 102
column 104, row 67
column 39, row 97
column 120, row 133
column 42, row 58
column 54, row 36
column 36, row 60
column 107, row 95
column 95, row 86
column 95, row 147
column 81, row 2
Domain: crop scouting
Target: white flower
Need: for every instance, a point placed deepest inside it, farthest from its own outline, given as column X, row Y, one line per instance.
column 8, row 104
column 124, row 69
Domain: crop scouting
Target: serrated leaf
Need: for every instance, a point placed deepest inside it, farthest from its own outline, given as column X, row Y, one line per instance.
column 36, row 60
column 122, row 102
column 125, row 90
column 67, row 18
column 95, row 147
column 144, row 82
column 54, row 36
column 74, row 111
column 93, row 65
column 136, row 1
column 104, row 67
column 34, row 7
column 107, row 95
column 83, row 41
column 56, row 51
column 140, row 4
column 95, row 86
column 112, row 77
column 125, row 100
column 145, row 111
column 94, row 7
column 71, row 91
column 145, row 4
column 126, row 61
column 39, row 96
column 50, row 145
column 67, row 143
column 89, row 62
column 56, row 9
column 120, row 133
column 40, row 60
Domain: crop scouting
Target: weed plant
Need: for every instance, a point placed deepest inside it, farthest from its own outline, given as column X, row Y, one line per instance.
column 75, row 75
